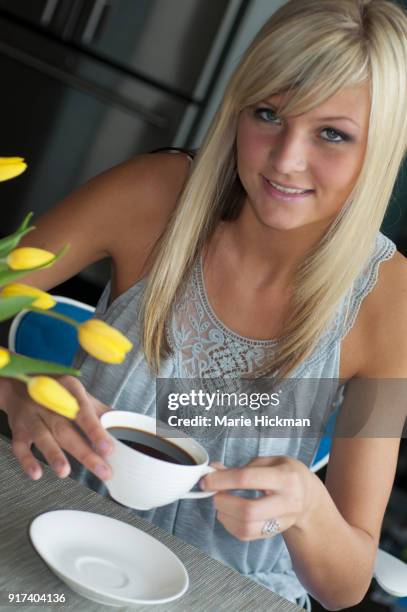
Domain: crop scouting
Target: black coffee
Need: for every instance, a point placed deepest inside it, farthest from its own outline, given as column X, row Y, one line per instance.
column 152, row 445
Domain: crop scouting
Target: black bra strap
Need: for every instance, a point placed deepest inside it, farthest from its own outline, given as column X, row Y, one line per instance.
column 188, row 152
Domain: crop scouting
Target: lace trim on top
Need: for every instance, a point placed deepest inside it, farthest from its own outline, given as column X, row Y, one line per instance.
column 349, row 307
column 368, row 279
column 205, row 348
column 200, row 282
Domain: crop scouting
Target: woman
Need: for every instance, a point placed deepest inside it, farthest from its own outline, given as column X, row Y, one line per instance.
column 280, row 215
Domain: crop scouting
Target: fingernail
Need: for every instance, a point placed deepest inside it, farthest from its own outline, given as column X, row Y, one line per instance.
column 202, row 484
column 34, row 472
column 58, row 465
column 101, row 471
column 104, row 446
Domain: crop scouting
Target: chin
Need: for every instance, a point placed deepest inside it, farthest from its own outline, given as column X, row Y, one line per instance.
column 281, row 226
column 281, row 220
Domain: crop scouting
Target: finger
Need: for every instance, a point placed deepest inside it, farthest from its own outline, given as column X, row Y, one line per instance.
column 88, row 420
column 30, row 426
column 48, row 446
column 215, row 464
column 72, row 441
column 248, row 477
column 21, row 447
column 99, row 407
column 272, row 460
column 90, row 409
column 252, row 510
column 252, row 531
column 218, row 465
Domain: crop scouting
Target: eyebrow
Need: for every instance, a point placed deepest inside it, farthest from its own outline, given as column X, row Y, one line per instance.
column 339, row 118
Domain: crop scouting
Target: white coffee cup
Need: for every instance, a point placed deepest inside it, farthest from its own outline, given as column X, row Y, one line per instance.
column 143, row 482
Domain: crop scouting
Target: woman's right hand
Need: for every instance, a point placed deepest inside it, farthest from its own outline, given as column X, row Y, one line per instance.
column 52, row 434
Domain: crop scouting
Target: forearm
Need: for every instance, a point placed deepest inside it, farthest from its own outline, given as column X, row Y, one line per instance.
column 332, row 559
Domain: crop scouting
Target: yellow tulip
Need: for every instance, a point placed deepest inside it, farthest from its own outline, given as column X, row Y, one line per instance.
column 50, row 393
column 102, row 341
column 44, row 301
column 4, row 357
column 11, row 167
column 25, row 258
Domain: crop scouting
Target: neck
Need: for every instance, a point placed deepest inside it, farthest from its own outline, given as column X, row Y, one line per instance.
column 265, row 256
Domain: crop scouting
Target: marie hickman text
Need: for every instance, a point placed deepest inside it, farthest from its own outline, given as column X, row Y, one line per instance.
column 217, row 402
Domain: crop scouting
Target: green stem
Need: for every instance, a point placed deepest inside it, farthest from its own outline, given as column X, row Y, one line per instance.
column 55, row 315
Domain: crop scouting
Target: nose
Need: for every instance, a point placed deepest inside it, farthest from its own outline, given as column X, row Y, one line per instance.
column 288, row 153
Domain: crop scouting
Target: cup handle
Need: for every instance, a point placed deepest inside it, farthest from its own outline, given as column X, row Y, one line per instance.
column 201, row 494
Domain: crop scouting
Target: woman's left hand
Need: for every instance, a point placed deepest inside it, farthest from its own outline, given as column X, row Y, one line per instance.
column 287, row 486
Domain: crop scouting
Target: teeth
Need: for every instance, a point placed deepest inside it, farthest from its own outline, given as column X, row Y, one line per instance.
column 286, row 189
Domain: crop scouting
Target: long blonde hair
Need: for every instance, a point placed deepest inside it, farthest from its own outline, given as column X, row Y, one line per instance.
column 312, row 49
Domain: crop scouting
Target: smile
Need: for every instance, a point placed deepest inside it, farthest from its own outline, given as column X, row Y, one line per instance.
column 285, row 194
column 290, row 190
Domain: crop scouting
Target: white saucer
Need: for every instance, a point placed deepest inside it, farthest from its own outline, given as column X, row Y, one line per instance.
column 107, row 561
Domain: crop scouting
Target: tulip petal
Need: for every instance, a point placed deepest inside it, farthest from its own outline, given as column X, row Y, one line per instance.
column 24, row 258
column 11, row 167
column 44, row 300
column 4, row 357
column 101, row 328
column 103, row 341
column 50, row 393
column 8, row 275
column 13, row 160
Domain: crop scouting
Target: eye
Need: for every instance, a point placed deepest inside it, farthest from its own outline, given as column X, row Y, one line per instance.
column 336, row 136
column 266, row 114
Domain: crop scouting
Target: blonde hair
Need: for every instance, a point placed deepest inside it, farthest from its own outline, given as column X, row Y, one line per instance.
column 312, row 49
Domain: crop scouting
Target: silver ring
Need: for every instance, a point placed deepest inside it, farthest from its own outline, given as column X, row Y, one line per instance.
column 271, row 528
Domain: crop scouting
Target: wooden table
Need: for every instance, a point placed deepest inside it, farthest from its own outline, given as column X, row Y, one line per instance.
column 213, row 586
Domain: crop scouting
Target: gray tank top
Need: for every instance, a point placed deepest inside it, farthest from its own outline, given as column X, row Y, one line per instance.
column 203, row 347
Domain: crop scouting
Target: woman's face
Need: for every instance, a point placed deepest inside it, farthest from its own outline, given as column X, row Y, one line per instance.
column 321, row 151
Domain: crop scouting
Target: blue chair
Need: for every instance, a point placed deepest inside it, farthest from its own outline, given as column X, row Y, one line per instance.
column 322, row 455
column 42, row 337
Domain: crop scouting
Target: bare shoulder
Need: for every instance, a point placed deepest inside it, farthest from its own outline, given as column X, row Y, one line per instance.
column 134, row 200
column 383, row 320
column 149, row 188
column 149, row 183
column 144, row 193
column 118, row 214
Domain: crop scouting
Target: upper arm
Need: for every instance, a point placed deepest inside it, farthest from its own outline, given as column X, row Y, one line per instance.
column 126, row 207
column 361, row 468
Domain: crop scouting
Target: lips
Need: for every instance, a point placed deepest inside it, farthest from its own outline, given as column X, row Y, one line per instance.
column 284, row 196
column 288, row 189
